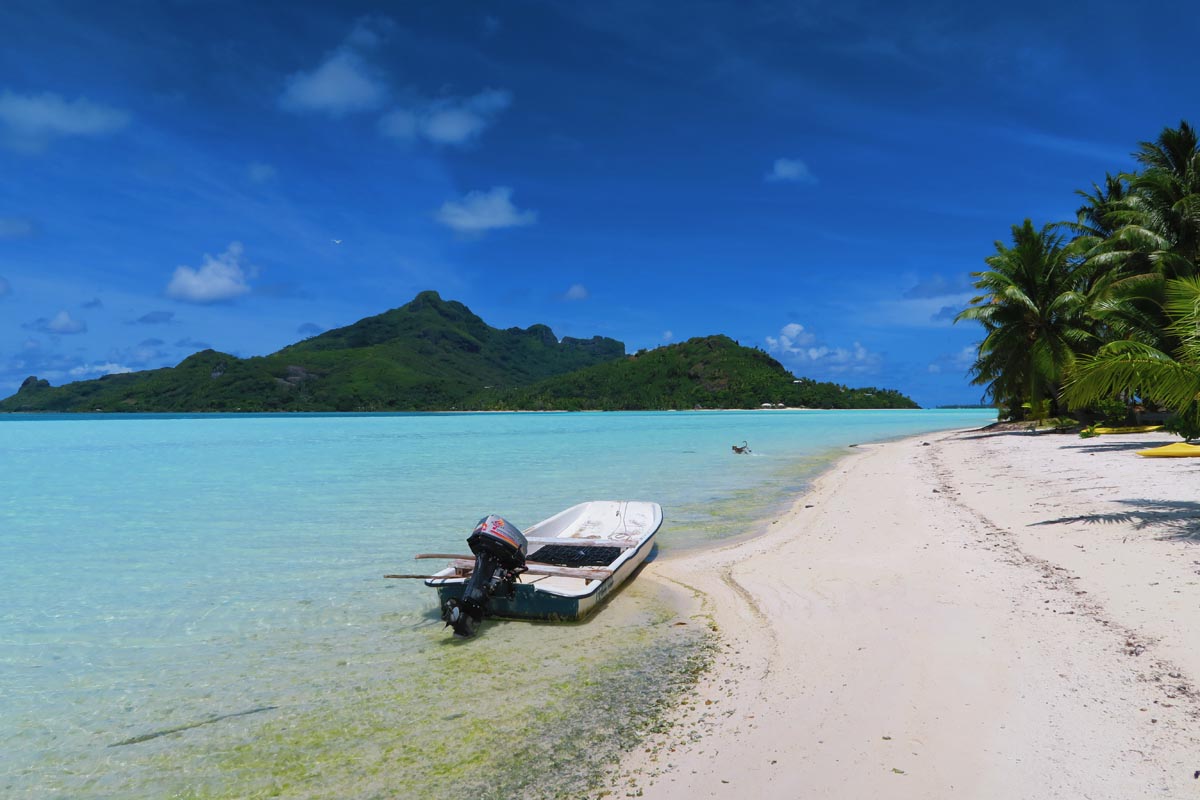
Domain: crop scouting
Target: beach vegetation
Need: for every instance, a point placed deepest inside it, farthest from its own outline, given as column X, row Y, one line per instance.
column 1141, row 370
column 1100, row 315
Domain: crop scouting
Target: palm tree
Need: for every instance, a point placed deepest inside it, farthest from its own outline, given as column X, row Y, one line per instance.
column 1095, row 218
column 1141, row 370
column 1033, row 306
column 1141, row 230
column 1154, row 225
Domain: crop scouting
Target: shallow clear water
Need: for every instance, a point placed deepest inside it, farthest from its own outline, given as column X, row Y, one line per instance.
column 221, row 575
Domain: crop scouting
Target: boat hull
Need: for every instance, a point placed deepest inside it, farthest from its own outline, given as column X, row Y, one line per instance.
column 533, row 599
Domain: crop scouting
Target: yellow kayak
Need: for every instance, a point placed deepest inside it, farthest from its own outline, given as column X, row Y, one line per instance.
column 1177, row 450
column 1130, row 429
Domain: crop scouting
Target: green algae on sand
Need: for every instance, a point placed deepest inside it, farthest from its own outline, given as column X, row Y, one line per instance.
column 527, row 709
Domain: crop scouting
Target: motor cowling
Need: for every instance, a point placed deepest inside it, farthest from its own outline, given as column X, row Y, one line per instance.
column 499, row 548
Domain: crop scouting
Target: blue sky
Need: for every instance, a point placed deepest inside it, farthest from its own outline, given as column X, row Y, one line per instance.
column 815, row 179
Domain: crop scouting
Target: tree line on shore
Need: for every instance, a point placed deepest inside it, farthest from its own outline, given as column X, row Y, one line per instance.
column 1100, row 316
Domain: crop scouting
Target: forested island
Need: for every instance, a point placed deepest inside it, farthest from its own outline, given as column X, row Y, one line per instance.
column 436, row 355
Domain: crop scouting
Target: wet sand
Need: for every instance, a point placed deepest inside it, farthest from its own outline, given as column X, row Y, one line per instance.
column 956, row 615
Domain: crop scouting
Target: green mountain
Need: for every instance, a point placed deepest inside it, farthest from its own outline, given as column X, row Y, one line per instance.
column 708, row 372
column 434, row 354
column 428, row 354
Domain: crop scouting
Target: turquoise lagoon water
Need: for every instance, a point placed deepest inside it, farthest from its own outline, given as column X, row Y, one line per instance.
column 193, row 606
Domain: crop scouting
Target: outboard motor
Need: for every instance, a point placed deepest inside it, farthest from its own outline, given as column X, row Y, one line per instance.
column 499, row 549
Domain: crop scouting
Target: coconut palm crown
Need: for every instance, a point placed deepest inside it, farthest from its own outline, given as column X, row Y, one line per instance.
column 1033, row 311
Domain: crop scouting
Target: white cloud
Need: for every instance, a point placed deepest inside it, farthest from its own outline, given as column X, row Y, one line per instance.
column 61, row 323
column 98, row 369
column 31, row 121
column 15, row 228
column 482, row 211
column 802, row 349
column 220, row 278
column 258, row 172
column 341, row 84
column 668, row 336
column 790, row 170
column 792, row 337
column 577, row 292
column 448, row 121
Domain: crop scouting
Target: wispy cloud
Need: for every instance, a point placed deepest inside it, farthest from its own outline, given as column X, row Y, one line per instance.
column 790, row 170
column 801, row 349
column 945, row 314
column 1083, row 148
column 577, row 292
column 31, row 122
column 217, row 279
column 482, row 211
column 16, row 228
column 146, row 353
column 61, row 323
column 258, row 172
column 370, row 31
column 108, row 368
column 940, row 286
column 156, row 318
column 448, row 121
column 955, row 363
column 94, row 304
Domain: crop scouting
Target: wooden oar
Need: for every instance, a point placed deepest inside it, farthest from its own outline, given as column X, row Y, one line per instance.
column 420, row 577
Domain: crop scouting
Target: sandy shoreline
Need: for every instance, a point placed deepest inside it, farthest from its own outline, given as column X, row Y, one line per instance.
column 990, row 616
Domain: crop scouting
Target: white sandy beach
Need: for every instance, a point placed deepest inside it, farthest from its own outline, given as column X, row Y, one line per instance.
column 983, row 616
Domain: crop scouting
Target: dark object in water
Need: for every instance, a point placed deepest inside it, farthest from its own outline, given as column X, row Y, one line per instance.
column 145, row 737
column 499, row 549
column 745, row 448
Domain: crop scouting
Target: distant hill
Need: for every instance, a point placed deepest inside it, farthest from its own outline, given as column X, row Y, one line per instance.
column 433, row 355
column 428, row 354
column 707, row 372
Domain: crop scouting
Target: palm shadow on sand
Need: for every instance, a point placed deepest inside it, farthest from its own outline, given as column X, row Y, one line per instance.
column 1176, row 519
